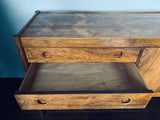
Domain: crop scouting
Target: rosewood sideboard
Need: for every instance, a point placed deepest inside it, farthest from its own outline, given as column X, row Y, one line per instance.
column 89, row 60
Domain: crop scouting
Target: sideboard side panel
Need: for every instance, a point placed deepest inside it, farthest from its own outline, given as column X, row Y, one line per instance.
column 21, row 52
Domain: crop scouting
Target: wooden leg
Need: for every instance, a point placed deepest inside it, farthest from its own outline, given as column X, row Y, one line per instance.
column 41, row 112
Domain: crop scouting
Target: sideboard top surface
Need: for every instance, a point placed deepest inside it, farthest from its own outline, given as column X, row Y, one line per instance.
column 94, row 25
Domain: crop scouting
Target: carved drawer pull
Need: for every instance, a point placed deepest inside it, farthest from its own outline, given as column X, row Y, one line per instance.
column 118, row 54
column 126, row 101
column 41, row 102
column 46, row 54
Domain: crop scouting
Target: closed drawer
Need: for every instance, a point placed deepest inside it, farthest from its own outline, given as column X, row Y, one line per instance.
column 81, row 54
column 60, row 86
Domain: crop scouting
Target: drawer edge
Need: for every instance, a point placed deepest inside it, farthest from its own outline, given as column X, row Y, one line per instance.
column 82, row 101
column 89, row 42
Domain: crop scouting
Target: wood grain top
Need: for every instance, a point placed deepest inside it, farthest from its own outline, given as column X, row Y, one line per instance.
column 78, row 25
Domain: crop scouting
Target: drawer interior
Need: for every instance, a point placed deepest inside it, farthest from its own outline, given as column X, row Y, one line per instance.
column 82, row 77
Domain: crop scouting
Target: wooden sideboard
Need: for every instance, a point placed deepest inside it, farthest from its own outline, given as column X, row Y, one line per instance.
column 89, row 60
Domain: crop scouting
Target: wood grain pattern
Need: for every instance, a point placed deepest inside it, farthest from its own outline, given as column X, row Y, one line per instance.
column 156, row 94
column 80, row 54
column 21, row 52
column 149, row 67
column 82, row 101
column 82, row 77
column 89, row 42
column 94, row 25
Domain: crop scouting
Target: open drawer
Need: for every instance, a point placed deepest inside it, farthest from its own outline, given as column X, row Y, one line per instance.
column 62, row 86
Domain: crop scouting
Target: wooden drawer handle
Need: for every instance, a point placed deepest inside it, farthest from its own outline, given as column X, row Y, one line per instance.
column 126, row 101
column 46, row 54
column 41, row 102
column 118, row 54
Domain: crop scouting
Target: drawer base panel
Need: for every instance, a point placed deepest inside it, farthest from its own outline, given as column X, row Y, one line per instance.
column 82, row 77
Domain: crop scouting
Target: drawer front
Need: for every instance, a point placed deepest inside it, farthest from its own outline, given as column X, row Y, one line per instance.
column 81, row 54
column 82, row 101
